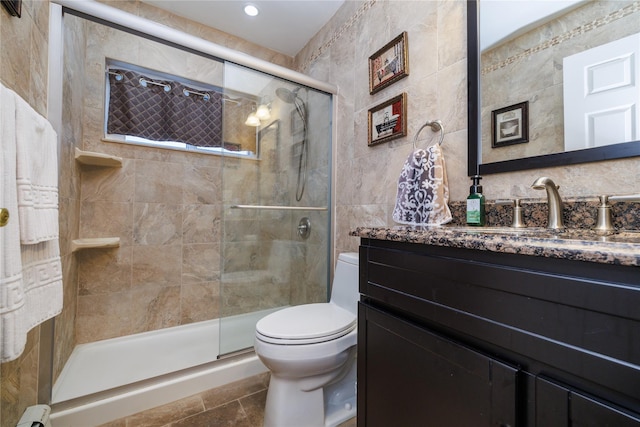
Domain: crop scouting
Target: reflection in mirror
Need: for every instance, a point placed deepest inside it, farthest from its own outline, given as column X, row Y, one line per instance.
column 529, row 65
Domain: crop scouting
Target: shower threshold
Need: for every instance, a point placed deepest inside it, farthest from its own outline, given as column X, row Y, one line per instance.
column 112, row 363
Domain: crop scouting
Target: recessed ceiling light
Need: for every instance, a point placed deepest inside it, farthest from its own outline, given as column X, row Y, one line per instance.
column 251, row 10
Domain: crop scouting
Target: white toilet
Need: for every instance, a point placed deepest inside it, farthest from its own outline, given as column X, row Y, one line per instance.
column 311, row 352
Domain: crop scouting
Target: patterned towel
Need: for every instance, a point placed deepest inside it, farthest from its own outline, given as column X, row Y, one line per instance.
column 423, row 191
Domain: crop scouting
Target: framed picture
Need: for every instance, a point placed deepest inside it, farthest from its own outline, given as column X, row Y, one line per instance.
column 389, row 64
column 13, row 6
column 388, row 120
column 510, row 125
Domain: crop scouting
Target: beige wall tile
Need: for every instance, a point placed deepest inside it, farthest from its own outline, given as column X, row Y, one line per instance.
column 199, row 301
column 156, row 265
column 109, row 184
column 154, row 307
column 103, row 316
column 104, row 271
column 200, row 263
column 201, row 223
column 158, row 182
column 157, row 224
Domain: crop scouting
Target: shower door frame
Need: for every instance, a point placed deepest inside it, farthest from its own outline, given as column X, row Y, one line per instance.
column 146, row 28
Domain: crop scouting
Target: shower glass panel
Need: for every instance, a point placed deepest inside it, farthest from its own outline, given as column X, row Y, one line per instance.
column 276, row 223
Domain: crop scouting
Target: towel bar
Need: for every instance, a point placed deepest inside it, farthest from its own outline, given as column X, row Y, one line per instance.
column 435, row 125
column 284, row 208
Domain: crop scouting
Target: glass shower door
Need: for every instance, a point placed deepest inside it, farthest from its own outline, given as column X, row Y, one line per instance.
column 276, row 223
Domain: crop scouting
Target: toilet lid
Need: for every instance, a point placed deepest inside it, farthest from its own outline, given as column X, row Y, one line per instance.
column 306, row 324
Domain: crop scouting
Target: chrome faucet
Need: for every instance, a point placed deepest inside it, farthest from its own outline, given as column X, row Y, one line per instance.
column 554, row 201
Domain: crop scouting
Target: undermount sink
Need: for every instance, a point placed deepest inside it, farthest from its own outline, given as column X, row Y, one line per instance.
column 622, row 236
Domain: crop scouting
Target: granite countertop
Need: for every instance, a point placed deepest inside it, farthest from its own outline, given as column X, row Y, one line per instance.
column 622, row 248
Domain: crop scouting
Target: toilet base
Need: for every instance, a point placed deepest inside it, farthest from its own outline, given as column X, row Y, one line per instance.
column 288, row 406
column 295, row 403
column 340, row 400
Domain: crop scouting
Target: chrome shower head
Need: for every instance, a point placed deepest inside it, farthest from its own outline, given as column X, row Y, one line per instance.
column 287, row 95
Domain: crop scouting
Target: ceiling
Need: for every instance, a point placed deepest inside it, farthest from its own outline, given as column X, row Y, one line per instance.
column 522, row 16
column 282, row 25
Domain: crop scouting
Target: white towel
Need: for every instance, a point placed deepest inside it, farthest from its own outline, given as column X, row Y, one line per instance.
column 423, row 190
column 30, row 275
column 36, row 175
column 11, row 294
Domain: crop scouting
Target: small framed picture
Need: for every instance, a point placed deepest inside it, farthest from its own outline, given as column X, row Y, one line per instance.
column 13, row 6
column 510, row 125
column 388, row 120
column 389, row 64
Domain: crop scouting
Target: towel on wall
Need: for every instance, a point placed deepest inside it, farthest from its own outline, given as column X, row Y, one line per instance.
column 36, row 175
column 423, row 190
column 11, row 294
column 30, row 275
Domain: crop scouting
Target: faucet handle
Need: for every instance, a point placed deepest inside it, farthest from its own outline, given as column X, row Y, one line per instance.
column 517, row 211
column 623, row 198
column 604, row 222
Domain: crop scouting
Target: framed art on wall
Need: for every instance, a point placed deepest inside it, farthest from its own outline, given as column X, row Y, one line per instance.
column 510, row 125
column 388, row 120
column 389, row 64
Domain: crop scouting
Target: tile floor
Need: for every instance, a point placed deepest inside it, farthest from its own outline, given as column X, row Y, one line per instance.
column 239, row 404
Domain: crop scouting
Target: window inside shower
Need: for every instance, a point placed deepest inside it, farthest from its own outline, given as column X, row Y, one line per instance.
column 159, row 109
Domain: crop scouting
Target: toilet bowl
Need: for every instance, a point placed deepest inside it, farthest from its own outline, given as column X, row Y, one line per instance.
column 311, row 352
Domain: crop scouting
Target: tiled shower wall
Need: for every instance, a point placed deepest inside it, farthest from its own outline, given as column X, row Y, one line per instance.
column 164, row 205
column 170, row 211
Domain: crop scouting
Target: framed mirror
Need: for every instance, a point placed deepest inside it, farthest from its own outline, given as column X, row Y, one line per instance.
column 536, row 52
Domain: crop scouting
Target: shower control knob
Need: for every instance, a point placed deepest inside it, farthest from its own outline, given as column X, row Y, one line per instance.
column 304, row 228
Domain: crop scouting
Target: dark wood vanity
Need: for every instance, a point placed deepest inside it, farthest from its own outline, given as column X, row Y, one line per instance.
column 469, row 337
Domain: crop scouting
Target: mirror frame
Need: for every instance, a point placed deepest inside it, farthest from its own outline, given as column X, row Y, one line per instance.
column 609, row 152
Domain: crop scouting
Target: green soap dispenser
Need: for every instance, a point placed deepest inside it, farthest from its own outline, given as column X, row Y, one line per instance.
column 475, row 203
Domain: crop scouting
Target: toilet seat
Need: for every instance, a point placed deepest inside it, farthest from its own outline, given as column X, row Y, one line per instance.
column 305, row 324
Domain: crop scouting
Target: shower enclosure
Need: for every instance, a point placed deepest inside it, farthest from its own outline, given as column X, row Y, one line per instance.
column 211, row 236
column 276, row 223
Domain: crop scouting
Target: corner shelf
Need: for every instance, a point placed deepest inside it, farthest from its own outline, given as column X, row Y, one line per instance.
column 97, row 159
column 96, row 243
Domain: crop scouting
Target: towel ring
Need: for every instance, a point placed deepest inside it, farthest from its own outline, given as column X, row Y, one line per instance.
column 436, row 126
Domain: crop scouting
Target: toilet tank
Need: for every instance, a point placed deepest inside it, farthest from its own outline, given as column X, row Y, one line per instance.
column 344, row 291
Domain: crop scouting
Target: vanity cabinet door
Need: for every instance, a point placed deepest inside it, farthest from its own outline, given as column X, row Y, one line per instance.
column 409, row 376
column 558, row 406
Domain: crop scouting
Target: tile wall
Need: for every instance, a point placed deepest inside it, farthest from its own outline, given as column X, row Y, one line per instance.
column 437, row 89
